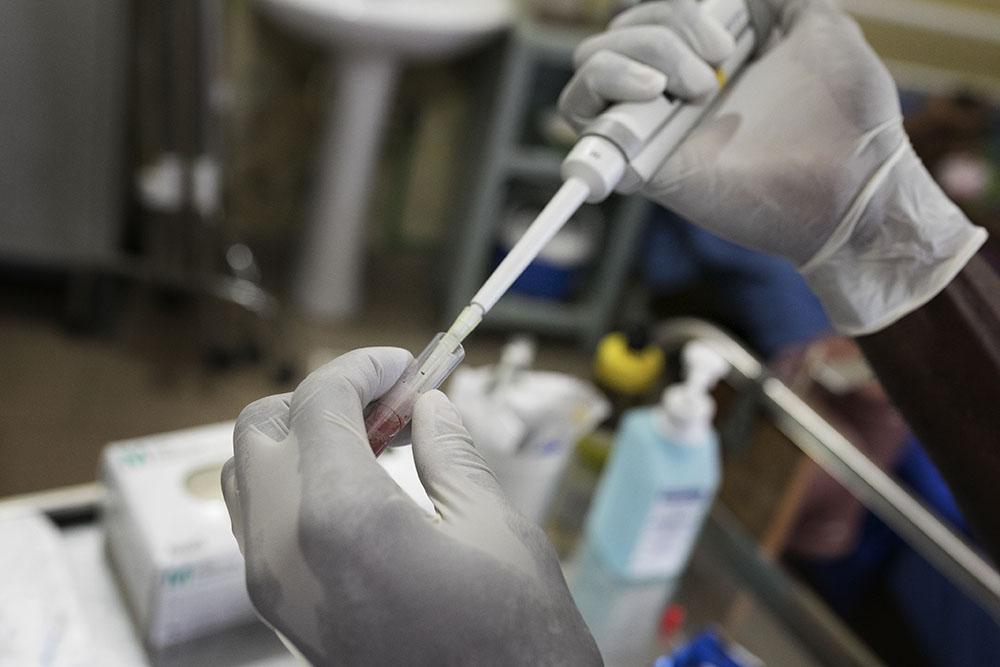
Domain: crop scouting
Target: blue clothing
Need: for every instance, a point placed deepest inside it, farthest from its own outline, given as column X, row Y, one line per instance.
column 948, row 627
column 765, row 298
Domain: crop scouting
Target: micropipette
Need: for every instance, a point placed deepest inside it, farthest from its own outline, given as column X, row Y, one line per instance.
column 618, row 152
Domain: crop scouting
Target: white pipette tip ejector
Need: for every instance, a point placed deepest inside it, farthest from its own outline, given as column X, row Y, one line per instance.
column 570, row 197
column 563, row 205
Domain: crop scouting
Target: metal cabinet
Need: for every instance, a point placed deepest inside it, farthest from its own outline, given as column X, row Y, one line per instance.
column 62, row 120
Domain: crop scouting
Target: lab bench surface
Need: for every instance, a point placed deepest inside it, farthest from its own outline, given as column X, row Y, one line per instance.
column 118, row 642
column 728, row 585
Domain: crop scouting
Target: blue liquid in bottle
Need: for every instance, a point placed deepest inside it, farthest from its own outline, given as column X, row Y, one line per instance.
column 654, row 496
column 648, row 510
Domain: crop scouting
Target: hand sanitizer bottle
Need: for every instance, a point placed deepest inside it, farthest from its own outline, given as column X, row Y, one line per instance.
column 649, row 507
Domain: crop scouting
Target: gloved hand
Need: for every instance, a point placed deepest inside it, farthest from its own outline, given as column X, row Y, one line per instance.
column 806, row 157
column 350, row 570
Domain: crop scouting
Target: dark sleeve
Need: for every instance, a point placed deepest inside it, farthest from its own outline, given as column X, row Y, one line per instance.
column 941, row 365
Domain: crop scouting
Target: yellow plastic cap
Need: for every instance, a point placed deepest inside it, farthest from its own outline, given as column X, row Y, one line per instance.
column 627, row 371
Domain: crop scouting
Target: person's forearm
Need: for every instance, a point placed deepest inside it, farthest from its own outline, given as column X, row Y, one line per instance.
column 941, row 365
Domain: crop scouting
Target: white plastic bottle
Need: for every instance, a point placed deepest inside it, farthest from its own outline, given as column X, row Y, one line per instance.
column 648, row 510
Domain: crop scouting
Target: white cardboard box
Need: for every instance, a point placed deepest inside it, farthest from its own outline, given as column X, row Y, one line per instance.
column 173, row 548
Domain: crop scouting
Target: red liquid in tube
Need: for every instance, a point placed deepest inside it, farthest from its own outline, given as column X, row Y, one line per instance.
column 382, row 424
column 390, row 414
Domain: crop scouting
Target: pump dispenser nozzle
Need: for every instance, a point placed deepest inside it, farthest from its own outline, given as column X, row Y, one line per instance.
column 688, row 407
column 703, row 367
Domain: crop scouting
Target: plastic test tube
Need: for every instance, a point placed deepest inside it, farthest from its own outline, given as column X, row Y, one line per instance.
column 388, row 416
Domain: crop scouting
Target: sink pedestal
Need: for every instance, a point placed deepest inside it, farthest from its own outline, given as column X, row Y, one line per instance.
column 330, row 266
column 368, row 39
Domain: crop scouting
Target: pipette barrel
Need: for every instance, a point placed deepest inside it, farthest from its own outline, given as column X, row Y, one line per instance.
column 387, row 418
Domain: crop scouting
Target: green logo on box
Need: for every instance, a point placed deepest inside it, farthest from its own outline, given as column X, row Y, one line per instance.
column 178, row 577
column 136, row 458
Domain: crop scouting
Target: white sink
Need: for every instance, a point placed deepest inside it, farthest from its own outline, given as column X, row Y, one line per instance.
column 407, row 28
column 368, row 39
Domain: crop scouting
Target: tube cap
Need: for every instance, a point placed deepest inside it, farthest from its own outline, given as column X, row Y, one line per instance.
column 519, row 352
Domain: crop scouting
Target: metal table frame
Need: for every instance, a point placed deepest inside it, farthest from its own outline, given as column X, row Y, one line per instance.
column 949, row 552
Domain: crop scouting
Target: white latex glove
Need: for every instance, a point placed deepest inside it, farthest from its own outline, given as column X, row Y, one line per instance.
column 806, row 157
column 350, row 570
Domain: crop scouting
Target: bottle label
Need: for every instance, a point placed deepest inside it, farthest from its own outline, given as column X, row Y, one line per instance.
column 668, row 533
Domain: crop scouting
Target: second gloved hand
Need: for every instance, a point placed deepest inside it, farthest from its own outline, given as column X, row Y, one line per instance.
column 806, row 156
column 348, row 568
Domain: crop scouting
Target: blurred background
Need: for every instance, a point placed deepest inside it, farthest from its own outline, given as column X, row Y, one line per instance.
column 202, row 201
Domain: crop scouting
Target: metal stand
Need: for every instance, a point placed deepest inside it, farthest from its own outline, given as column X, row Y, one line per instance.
column 507, row 159
column 821, row 442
